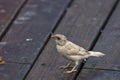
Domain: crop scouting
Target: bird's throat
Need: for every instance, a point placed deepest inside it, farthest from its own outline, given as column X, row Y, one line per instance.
column 61, row 43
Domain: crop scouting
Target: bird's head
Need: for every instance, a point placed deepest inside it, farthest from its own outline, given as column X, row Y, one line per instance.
column 59, row 39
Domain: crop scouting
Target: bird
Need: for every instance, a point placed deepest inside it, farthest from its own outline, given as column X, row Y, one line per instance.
column 72, row 52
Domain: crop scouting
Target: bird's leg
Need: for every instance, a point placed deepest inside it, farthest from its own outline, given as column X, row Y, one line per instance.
column 74, row 68
column 67, row 66
column 85, row 59
column 1, row 60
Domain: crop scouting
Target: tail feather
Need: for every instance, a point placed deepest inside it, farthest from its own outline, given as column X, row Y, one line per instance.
column 96, row 54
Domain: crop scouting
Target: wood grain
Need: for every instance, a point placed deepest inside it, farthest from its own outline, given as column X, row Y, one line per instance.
column 108, row 43
column 31, row 29
column 91, row 74
column 81, row 24
column 8, row 10
column 13, row 71
column 108, row 67
column 27, row 35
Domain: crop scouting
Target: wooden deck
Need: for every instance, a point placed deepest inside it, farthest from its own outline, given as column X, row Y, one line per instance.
column 29, row 52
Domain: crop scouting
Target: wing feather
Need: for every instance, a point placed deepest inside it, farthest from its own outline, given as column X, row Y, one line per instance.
column 73, row 49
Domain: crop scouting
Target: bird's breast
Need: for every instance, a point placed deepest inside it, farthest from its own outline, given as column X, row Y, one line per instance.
column 62, row 50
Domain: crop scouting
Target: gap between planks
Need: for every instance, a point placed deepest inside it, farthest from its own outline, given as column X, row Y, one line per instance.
column 96, row 38
column 49, row 36
column 8, row 25
column 95, row 41
column 102, row 69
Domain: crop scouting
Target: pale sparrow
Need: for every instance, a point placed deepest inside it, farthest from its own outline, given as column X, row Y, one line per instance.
column 72, row 51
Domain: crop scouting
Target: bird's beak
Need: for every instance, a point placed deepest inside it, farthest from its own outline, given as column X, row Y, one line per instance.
column 52, row 36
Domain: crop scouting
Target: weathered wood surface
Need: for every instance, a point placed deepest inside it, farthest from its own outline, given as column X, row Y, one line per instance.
column 108, row 67
column 13, row 71
column 108, row 43
column 27, row 35
column 91, row 74
column 81, row 24
column 31, row 29
column 8, row 10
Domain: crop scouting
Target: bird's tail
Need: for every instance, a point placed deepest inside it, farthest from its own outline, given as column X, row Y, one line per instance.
column 96, row 54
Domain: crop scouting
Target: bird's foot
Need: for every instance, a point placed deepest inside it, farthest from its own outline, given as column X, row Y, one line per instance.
column 65, row 67
column 69, row 72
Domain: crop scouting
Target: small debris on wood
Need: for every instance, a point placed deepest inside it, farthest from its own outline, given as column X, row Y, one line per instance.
column 29, row 39
column 1, row 60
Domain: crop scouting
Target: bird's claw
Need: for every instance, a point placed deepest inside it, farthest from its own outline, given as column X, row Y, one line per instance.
column 69, row 72
column 65, row 67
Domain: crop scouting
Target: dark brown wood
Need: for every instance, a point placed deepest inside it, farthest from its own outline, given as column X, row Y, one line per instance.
column 9, row 71
column 108, row 43
column 108, row 67
column 27, row 35
column 31, row 29
column 81, row 24
column 90, row 74
column 8, row 10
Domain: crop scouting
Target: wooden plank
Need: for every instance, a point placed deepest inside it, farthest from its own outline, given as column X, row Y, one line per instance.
column 13, row 71
column 31, row 29
column 108, row 66
column 81, row 25
column 90, row 74
column 8, row 10
column 27, row 35
column 108, row 43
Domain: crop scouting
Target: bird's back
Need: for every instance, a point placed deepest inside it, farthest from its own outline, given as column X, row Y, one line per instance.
column 71, row 51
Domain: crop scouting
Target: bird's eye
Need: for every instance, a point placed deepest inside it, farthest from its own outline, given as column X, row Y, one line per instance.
column 58, row 38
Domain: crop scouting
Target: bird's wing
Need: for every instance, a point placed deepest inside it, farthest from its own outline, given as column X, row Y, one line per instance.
column 73, row 49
